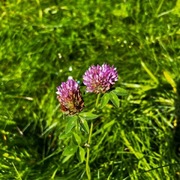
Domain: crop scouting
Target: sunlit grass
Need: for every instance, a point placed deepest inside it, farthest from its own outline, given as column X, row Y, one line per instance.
column 42, row 43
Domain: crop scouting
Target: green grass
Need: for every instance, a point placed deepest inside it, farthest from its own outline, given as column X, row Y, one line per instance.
column 40, row 41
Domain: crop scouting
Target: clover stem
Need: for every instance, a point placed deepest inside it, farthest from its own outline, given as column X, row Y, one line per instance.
column 88, row 172
column 97, row 100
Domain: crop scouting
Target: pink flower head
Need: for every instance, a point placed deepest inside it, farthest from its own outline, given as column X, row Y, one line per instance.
column 99, row 79
column 70, row 98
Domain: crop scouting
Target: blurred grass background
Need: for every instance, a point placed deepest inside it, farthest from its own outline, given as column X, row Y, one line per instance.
column 44, row 42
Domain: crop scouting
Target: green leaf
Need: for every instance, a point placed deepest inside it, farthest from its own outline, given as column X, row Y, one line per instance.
column 70, row 150
column 121, row 11
column 151, row 74
column 81, row 154
column 109, row 124
column 49, row 128
column 84, row 125
column 65, row 135
column 66, row 158
column 77, row 138
column 170, row 80
column 104, row 100
column 88, row 115
column 71, row 123
column 120, row 91
column 114, row 99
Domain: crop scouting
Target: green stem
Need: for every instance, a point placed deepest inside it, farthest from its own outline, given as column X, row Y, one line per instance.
column 97, row 100
column 88, row 172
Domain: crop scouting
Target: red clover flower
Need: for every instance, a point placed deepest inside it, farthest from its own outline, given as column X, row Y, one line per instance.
column 99, row 79
column 70, row 98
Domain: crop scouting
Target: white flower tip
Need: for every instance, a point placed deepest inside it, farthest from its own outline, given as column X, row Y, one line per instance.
column 70, row 77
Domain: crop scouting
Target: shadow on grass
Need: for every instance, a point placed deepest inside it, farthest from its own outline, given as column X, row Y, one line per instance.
column 177, row 123
column 176, row 138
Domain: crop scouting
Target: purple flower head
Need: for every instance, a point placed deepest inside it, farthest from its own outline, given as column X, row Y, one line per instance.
column 99, row 79
column 70, row 98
